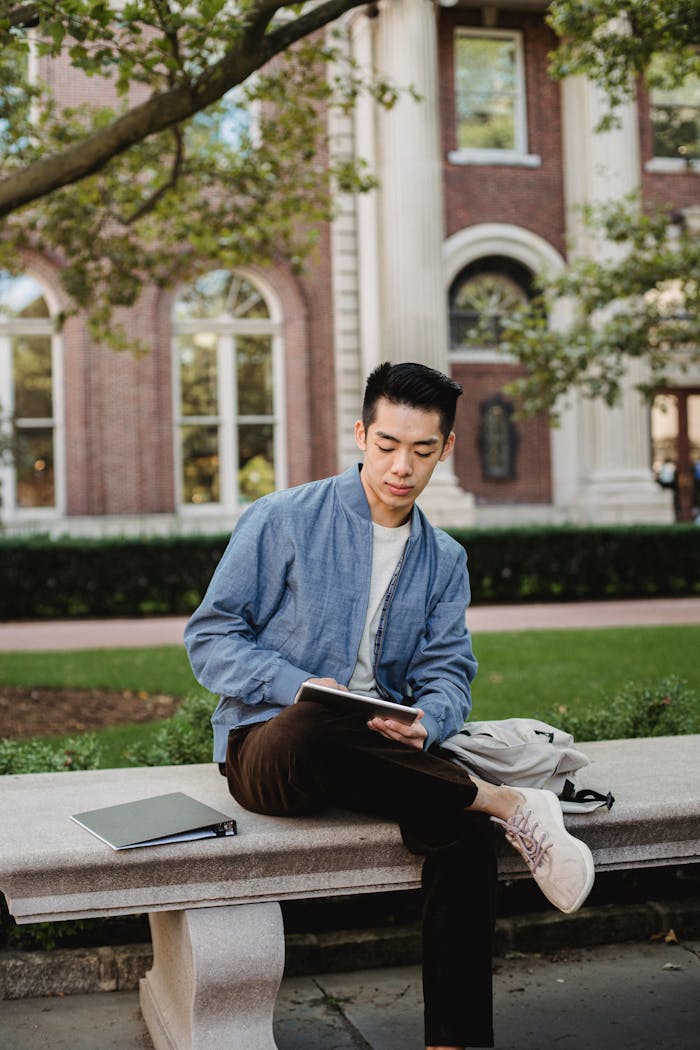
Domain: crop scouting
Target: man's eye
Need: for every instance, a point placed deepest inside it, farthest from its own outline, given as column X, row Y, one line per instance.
column 424, row 455
column 382, row 449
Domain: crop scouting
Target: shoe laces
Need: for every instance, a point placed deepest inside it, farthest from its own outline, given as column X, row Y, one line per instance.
column 522, row 835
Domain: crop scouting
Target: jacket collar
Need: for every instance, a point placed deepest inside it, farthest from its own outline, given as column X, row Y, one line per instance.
column 352, row 496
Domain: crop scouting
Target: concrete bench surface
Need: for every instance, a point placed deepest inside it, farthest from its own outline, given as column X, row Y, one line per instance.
column 51, row 868
column 213, row 903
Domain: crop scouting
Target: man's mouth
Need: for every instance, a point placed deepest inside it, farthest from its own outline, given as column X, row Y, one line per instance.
column 398, row 490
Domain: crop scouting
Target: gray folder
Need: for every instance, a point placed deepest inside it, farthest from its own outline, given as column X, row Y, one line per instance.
column 155, row 821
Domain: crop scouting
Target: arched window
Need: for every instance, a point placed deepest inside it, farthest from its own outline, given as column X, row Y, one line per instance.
column 227, row 348
column 481, row 295
column 498, row 439
column 28, row 363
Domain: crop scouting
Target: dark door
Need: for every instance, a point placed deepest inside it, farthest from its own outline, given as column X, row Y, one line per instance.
column 675, row 434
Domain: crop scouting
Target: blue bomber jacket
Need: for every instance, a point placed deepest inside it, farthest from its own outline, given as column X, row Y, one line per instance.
column 288, row 600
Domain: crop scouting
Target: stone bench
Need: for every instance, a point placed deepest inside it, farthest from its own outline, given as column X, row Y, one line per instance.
column 213, row 904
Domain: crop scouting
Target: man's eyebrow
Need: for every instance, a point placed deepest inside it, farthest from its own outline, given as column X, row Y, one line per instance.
column 423, row 441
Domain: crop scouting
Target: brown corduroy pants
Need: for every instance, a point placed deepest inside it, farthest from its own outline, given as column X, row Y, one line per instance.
column 308, row 757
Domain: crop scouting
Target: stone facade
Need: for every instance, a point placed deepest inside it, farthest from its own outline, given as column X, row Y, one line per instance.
column 377, row 288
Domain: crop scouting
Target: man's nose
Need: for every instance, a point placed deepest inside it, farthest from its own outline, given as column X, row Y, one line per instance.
column 402, row 463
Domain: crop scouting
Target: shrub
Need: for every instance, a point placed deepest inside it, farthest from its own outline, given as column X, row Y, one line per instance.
column 42, row 578
column 666, row 709
column 184, row 739
column 577, row 563
column 43, row 756
column 72, row 933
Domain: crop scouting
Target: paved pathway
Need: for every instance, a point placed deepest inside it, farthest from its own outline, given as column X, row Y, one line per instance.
column 614, row 997
column 167, row 630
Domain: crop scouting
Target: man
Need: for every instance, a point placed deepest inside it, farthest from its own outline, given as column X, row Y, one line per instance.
column 345, row 582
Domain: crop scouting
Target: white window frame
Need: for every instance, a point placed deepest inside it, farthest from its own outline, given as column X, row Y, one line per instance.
column 10, row 511
column 518, row 156
column 669, row 165
column 515, row 242
column 227, row 421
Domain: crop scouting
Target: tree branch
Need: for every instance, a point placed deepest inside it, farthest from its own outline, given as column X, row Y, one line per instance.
column 286, row 35
column 166, row 109
column 150, row 202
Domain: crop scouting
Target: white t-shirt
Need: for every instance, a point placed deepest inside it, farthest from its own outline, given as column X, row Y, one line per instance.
column 386, row 553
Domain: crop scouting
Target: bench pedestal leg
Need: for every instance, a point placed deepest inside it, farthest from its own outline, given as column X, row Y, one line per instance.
column 215, row 977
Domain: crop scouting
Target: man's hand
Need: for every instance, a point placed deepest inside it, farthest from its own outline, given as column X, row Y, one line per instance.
column 329, row 682
column 413, row 735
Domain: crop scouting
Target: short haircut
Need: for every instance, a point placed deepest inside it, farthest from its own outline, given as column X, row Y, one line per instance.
column 412, row 384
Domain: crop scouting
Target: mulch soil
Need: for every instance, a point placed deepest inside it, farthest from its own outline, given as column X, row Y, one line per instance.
column 26, row 712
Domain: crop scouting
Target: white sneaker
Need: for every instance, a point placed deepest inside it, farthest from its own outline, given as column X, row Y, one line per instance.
column 561, row 865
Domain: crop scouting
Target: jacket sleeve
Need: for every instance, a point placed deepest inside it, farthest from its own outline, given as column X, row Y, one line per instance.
column 248, row 589
column 444, row 665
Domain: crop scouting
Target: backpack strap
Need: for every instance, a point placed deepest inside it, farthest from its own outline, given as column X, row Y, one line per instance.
column 584, row 795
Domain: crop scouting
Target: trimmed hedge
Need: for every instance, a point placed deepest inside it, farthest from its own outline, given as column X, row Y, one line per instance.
column 570, row 563
column 42, row 578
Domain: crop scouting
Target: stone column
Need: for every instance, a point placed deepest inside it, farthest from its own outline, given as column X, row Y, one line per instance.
column 412, row 315
column 414, row 322
column 615, row 482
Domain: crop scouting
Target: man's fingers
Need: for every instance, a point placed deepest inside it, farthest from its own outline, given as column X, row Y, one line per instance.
column 412, row 735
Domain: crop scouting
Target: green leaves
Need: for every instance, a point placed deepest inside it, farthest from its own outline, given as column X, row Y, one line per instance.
column 639, row 709
column 643, row 304
column 614, row 42
column 243, row 177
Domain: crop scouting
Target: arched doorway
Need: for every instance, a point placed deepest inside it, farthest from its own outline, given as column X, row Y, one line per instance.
column 675, row 434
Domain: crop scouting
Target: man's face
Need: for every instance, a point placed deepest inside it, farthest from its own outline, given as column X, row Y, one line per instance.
column 402, row 448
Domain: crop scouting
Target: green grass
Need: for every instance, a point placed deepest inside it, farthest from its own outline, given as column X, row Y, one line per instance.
column 524, row 673
column 162, row 669
column 528, row 673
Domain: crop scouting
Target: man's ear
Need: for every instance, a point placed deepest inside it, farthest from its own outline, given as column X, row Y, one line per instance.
column 360, row 436
column 448, row 446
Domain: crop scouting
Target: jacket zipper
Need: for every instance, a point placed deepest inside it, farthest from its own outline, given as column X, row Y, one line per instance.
column 379, row 636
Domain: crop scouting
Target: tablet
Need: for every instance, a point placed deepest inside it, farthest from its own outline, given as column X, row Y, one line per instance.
column 365, row 706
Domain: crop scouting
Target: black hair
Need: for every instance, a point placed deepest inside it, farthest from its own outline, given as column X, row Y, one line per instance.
column 408, row 383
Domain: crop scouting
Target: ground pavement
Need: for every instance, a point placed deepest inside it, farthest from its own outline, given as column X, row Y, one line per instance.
column 619, row 997
column 167, row 630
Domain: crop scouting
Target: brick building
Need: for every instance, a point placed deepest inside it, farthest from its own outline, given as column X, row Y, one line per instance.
column 254, row 378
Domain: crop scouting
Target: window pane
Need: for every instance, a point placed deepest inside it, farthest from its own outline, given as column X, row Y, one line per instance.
column 676, row 131
column 675, row 112
column 486, row 90
column 256, row 467
column 21, row 297
column 497, row 441
column 245, row 301
column 220, row 293
column 478, row 306
column 34, row 467
column 200, row 464
column 31, row 367
column 198, row 387
column 205, row 298
column 254, row 375
column 227, row 123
